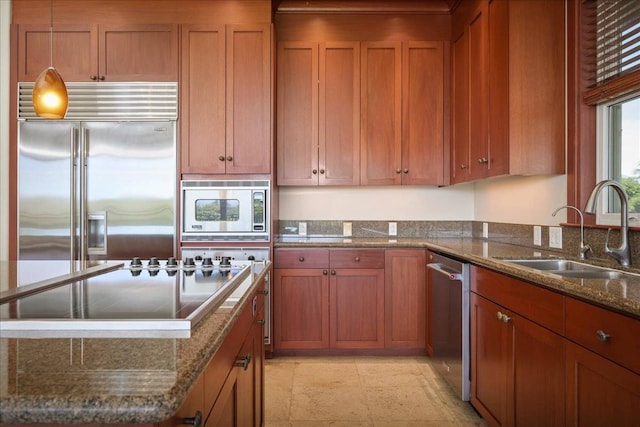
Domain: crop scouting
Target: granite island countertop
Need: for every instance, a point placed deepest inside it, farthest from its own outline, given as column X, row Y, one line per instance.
column 108, row 380
column 622, row 295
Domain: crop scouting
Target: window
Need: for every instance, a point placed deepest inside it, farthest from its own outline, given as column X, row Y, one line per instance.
column 619, row 156
column 613, row 62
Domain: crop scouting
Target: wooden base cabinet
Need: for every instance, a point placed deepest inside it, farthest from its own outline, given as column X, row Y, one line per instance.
column 517, row 360
column 230, row 392
column 603, row 367
column 338, row 302
column 405, row 298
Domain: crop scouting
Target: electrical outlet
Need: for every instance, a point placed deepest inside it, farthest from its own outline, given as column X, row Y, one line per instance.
column 302, row 228
column 393, row 229
column 485, row 230
column 537, row 235
column 555, row 237
column 346, row 229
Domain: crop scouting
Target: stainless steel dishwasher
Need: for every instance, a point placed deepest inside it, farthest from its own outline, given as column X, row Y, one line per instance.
column 449, row 321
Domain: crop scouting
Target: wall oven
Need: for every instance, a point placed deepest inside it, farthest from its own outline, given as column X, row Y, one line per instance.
column 450, row 328
column 224, row 210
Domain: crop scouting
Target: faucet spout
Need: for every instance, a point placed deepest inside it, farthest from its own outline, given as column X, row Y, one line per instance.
column 584, row 248
column 621, row 253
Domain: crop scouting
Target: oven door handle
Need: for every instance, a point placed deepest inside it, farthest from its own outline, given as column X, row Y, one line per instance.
column 436, row 266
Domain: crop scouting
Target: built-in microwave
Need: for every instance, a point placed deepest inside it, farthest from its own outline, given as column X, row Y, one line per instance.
column 224, row 210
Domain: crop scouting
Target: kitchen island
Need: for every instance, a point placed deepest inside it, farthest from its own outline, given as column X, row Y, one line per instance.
column 119, row 380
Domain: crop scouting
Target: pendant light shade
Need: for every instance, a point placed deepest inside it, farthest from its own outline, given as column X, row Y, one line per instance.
column 50, row 98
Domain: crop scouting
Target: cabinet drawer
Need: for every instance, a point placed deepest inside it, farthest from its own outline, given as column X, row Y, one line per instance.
column 301, row 258
column 587, row 325
column 356, row 258
column 535, row 303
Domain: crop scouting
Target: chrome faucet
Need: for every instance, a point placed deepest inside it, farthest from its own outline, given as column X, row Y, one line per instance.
column 621, row 253
column 584, row 248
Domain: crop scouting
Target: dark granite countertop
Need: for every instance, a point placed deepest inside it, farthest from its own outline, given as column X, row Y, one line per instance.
column 108, row 380
column 622, row 295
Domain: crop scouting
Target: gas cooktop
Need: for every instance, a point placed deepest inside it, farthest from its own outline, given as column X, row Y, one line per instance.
column 142, row 298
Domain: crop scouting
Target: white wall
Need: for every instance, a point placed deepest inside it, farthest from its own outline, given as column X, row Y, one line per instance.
column 5, row 20
column 518, row 200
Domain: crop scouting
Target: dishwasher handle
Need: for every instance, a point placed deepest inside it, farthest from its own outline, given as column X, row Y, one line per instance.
column 436, row 266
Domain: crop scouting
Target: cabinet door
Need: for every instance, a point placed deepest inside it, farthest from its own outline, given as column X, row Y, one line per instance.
column 339, row 113
column 405, row 283
column 202, row 97
column 297, row 145
column 423, row 113
column 245, row 387
column 381, row 93
column 75, row 51
column 248, row 97
column 491, row 340
column 301, row 309
column 138, row 53
column 356, row 308
column 536, row 389
column 599, row 392
column 223, row 413
column 478, row 104
column 460, row 109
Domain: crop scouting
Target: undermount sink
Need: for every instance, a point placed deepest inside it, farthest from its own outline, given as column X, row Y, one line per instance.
column 568, row 268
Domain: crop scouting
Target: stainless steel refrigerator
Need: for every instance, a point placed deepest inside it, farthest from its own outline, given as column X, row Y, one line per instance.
column 102, row 190
column 96, row 189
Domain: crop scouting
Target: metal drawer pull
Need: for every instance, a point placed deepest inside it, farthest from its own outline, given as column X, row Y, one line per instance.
column 602, row 335
column 195, row 421
column 301, row 259
column 263, row 292
column 243, row 362
column 261, row 322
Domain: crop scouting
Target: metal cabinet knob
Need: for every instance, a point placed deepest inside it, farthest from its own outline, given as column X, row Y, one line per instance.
column 221, row 158
column 321, row 171
column 483, row 160
column 315, row 171
column 325, row 272
column 195, row 421
column 92, row 77
column 101, row 78
column 602, row 335
column 398, row 170
column 261, row 322
column 463, row 166
column 301, row 259
column 229, row 158
column 243, row 361
column 357, row 259
column 503, row 317
column 333, row 272
column 405, row 170
column 263, row 292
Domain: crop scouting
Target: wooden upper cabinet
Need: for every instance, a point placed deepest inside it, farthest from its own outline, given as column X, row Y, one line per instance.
column 403, row 98
column 248, row 99
column 100, row 52
column 381, row 130
column 202, row 97
column 423, row 123
column 137, row 53
column 508, row 90
column 318, row 113
column 225, row 97
column 75, row 51
column 526, row 63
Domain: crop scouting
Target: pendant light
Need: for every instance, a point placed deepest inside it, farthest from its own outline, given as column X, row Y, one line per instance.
column 50, row 98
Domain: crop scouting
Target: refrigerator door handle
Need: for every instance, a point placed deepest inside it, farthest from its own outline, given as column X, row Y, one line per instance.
column 82, row 167
column 73, row 206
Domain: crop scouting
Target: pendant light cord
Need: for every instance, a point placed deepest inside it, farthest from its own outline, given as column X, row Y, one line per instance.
column 51, row 36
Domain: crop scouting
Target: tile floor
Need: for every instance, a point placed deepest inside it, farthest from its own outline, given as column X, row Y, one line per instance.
column 360, row 391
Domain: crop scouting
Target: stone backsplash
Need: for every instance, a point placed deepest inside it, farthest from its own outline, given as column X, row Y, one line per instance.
column 518, row 234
